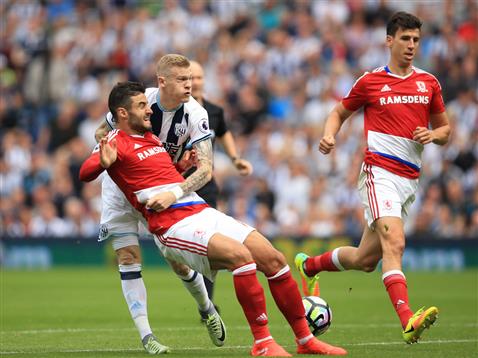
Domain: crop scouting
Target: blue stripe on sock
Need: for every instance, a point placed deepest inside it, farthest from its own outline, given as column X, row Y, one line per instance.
column 192, row 278
column 130, row 275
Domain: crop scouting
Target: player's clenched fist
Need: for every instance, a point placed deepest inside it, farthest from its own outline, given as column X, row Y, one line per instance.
column 161, row 201
column 422, row 135
column 327, row 143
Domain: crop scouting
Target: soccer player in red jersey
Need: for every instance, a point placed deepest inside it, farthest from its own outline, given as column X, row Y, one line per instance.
column 403, row 111
column 188, row 231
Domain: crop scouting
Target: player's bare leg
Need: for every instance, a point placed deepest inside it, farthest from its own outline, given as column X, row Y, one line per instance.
column 365, row 257
column 392, row 239
column 134, row 291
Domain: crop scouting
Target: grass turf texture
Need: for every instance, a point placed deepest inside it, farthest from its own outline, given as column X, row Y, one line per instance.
column 81, row 313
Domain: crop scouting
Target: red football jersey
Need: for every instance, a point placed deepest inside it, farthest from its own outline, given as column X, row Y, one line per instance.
column 394, row 107
column 144, row 168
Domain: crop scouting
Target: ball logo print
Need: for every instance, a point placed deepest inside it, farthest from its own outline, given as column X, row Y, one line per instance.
column 318, row 314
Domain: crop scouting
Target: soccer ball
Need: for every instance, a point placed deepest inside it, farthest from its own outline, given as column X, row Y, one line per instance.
column 318, row 314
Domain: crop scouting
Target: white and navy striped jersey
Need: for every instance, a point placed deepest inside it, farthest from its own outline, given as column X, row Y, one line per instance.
column 181, row 127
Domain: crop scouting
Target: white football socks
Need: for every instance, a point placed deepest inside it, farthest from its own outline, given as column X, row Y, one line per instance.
column 134, row 292
column 194, row 283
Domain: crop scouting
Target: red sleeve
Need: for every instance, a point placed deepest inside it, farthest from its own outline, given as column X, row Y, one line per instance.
column 357, row 96
column 91, row 167
column 437, row 104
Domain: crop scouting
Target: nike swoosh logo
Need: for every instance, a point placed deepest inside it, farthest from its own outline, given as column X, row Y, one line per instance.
column 223, row 336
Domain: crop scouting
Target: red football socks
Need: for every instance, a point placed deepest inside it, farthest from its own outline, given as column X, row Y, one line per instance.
column 287, row 297
column 250, row 295
column 313, row 265
column 396, row 285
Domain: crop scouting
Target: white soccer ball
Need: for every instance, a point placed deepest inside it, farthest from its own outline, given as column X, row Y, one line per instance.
column 318, row 314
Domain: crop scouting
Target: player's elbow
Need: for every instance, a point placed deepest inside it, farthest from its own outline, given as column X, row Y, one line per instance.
column 86, row 175
column 444, row 135
column 447, row 135
column 100, row 132
column 208, row 176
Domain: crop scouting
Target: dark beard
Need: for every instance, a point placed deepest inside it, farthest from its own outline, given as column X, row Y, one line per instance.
column 137, row 125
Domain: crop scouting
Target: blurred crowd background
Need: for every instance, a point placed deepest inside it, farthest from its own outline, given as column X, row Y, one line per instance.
column 277, row 67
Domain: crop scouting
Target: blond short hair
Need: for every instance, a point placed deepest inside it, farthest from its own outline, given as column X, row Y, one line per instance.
column 165, row 63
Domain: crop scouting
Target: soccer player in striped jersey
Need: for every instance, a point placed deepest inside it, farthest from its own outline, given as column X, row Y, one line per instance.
column 403, row 111
column 178, row 120
column 187, row 230
column 219, row 131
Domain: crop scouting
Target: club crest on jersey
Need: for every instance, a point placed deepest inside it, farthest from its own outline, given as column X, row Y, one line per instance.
column 204, row 125
column 103, row 234
column 421, row 86
column 180, row 129
column 387, row 204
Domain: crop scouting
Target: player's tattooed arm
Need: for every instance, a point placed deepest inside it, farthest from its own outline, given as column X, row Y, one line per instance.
column 203, row 174
column 195, row 181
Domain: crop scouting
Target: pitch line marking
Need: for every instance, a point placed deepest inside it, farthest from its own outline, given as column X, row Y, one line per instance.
column 200, row 328
column 439, row 341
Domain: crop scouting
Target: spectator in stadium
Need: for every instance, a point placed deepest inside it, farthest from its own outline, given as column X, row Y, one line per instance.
column 219, row 130
column 397, row 129
column 178, row 120
column 188, row 231
column 93, row 35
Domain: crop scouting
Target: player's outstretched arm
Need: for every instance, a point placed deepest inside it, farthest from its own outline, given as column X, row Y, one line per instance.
column 101, row 158
column 439, row 133
column 332, row 126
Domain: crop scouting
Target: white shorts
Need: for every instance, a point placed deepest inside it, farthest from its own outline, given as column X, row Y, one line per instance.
column 187, row 240
column 118, row 217
column 384, row 193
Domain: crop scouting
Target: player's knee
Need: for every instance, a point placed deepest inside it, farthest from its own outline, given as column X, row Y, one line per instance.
column 368, row 264
column 179, row 269
column 271, row 262
column 239, row 257
column 127, row 256
column 394, row 245
column 398, row 248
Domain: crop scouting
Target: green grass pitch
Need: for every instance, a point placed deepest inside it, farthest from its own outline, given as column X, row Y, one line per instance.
column 80, row 312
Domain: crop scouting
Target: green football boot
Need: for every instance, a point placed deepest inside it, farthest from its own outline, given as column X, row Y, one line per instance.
column 418, row 322
column 310, row 285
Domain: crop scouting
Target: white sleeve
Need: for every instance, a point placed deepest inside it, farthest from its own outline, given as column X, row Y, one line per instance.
column 199, row 122
column 110, row 121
